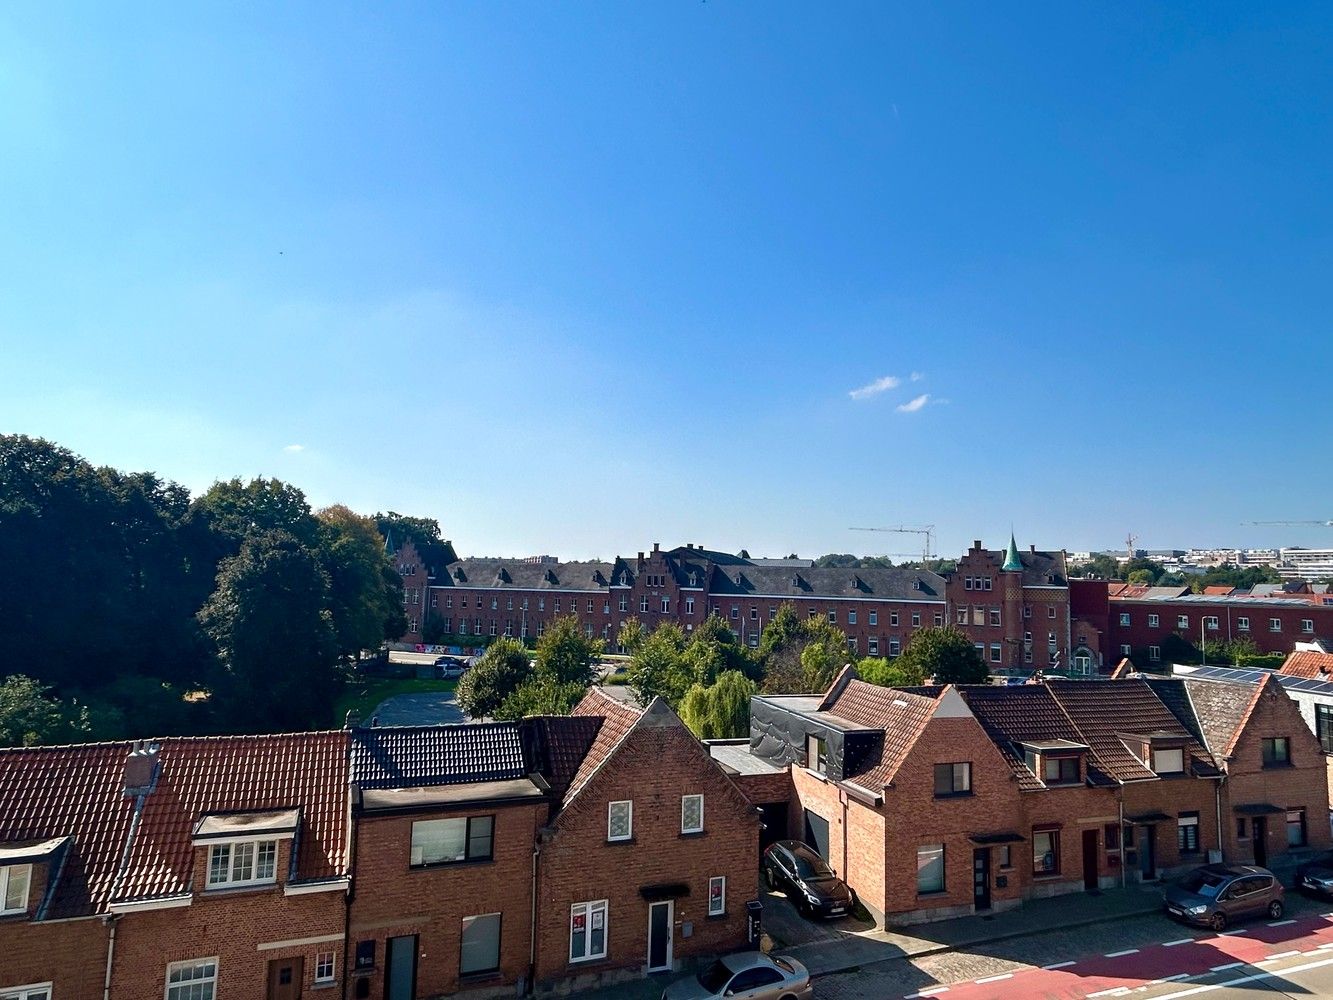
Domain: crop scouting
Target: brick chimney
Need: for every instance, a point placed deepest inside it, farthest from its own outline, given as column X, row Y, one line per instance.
column 141, row 768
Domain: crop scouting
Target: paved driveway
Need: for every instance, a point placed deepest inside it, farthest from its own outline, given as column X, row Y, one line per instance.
column 432, row 708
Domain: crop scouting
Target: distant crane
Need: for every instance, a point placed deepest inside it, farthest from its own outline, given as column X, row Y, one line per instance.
column 1131, row 540
column 1294, row 524
column 928, row 531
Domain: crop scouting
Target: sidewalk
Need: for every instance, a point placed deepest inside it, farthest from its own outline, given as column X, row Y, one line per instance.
column 840, row 951
column 1080, row 909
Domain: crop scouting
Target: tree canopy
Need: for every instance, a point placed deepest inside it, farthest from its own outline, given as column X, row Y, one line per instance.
column 494, row 677
column 945, row 654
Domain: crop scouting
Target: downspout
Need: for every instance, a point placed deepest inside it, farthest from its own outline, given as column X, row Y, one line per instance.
column 111, row 919
column 1217, row 792
column 1120, row 802
column 532, row 925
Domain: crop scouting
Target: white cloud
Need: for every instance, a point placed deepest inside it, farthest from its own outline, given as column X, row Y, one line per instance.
column 876, row 387
column 912, row 405
column 294, row 448
column 917, row 376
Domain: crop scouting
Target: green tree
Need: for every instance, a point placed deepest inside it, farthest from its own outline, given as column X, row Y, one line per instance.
column 824, row 654
column 495, row 676
column 631, row 635
column 890, row 673
column 1099, row 567
column 274, row 636
column 712, row 649
column 566, row 654
column 719, row 711
column 945, row 654
column 542, row 694
column 235, row 510
column 27, row 716
column 658, row 668
column 783, row 630
column 365, row 593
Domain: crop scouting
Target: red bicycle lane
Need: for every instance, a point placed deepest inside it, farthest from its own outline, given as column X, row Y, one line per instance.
column 1112, row 973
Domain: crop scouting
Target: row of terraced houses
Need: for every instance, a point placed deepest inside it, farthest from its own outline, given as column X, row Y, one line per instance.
column 556, row 853
column 1019, row 607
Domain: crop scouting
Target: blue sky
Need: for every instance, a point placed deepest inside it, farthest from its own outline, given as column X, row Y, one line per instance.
column 578, row 277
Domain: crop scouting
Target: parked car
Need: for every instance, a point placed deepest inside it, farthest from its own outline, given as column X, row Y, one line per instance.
column 1215, row 895
column 1316, row 875
column 449, row 667
column 796, row 869
column 747, row 974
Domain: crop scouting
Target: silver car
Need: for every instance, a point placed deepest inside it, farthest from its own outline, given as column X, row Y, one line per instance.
column 746, row 975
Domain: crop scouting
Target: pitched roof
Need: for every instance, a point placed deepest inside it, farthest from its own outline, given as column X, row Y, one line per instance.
column 562, row 744
column 514, row 574
column 422, row 756
column 1038, row 567
column 887, row 583
column 1222, row 711
column 900, row 714
column 618, row 718
column 1103, row 712
column 201, row 775
column 74, row 792
column 1309, row 664
column 1022, row 713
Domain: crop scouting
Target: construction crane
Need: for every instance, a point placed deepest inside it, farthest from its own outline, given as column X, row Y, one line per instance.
column 928, row 531
column 1131, row 540
column 1294, row 524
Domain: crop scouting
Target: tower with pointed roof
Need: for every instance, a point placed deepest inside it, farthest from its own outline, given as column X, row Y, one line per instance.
column 1012, row 564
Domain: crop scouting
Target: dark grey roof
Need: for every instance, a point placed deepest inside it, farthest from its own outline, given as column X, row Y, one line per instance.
column 1171, row 691
column 417, row 756
column 895, row 583
column 507, row 574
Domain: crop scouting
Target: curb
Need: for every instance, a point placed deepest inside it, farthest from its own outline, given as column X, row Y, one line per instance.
column 941, row 949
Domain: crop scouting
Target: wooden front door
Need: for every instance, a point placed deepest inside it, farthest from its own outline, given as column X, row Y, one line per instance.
column 284, row 978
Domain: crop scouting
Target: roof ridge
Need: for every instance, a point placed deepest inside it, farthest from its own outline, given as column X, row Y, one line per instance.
column 163, row 740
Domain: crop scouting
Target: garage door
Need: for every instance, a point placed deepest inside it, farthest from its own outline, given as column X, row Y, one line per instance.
column 816, row 833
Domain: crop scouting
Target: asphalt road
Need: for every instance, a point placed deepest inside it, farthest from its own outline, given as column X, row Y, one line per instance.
column 431, row 708
column 1148, row 957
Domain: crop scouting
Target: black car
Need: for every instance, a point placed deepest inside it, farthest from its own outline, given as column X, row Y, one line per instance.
column 1316, row 875
column 794, row 868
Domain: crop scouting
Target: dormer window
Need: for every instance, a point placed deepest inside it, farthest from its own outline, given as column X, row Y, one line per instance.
column 14, row 882
column 1168, row 760
column 250, row 862
column 1060, row 770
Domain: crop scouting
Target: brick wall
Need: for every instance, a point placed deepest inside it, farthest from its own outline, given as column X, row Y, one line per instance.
column 70, row 954
column 1302, row 785
column 393, row 899
column 653, row 767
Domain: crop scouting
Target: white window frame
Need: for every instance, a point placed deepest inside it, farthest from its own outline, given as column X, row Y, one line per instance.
column 1243, row 624
column 1168, row 754
column 1155, row 653
column 874, row 617
column 589, row 909
column 332, row 963
column 1154, row 621
column 1210, row 622
column 721, row 908
column 629, row 820
column 1124, row 618
column 28, row 991
column 1182, row 621
column 230, row 881
column 182, row 987
column 1307, row 625
column 6, row 877
column 1275, row 624
column 692, row 829
column 874, row 646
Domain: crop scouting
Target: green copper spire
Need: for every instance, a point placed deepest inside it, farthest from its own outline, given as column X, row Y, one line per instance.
column 1011, row 560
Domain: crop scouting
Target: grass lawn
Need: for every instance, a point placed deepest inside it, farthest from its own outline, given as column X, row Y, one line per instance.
column 364, row 693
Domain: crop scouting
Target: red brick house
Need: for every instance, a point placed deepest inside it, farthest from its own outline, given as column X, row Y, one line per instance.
column 181, row 868
column 612, row 827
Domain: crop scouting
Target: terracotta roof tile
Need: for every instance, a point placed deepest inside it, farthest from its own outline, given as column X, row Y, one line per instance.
column 203, row 775
column 1309, row 664
column 618, row 718
column 1020, row 713
column 71, row 792
column 1103, row 711
column 900, row 714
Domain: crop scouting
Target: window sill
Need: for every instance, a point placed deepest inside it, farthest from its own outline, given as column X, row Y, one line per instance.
column 1277, row 765
column 692, row 834
column 328, row 984
column 436, row 865
column 479, row 977
column 230, row 890
column 621, row 842
column 724, row 915
column 954, row 795
column 1045, row 876
column 584, row 963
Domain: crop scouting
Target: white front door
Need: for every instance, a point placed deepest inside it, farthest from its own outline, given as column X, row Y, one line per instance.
column 659, row 935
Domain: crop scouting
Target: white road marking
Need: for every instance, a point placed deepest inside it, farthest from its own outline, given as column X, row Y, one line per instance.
column 1243, row 930
column 1281, row 954
column 996, row 979
column 1281, row 923
column 1121, row 954
column 1229, row 965
column 1172, row 944
column 934, row 990
column 1241, row 980
column 1057, row 965
column 1118, row 991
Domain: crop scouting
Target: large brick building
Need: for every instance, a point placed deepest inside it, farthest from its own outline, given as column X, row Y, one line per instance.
column 1013, row 605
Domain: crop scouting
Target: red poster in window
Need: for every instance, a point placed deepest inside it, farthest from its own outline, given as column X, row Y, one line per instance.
column 715, row 892
column 579, row 920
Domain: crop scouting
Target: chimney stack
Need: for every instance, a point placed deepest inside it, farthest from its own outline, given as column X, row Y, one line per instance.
column 976, row 544
column 141, row 768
